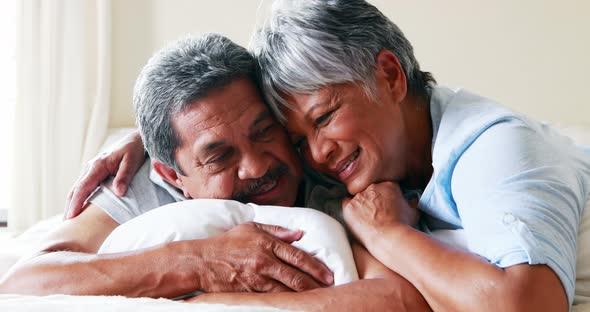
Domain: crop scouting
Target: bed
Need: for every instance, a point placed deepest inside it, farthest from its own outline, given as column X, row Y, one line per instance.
column 12, row 248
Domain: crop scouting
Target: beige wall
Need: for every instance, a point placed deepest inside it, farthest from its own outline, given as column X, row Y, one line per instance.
column 532, row 55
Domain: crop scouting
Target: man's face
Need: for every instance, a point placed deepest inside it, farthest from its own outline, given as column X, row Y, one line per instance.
column 231, row 147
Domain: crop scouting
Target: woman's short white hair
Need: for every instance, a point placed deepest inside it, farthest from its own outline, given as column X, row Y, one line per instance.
column 308, row 44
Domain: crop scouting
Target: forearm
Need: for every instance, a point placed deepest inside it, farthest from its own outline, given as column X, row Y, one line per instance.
column 148, row 273
column 451, row 279
column 362, row 295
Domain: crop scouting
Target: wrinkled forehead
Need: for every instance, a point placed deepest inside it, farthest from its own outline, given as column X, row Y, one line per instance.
column 205, row 115
column 233, row 107
column 299, row 107
column 207, row 122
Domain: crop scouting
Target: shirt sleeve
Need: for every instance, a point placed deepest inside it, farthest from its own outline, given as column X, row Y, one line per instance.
column 520, row 196
column 142, row 195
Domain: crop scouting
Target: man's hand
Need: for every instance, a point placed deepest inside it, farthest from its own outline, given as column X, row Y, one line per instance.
column 122, row 161
column 378, row 207
column 259, row 258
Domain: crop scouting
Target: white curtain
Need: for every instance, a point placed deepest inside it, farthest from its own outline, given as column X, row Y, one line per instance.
column 62, row 104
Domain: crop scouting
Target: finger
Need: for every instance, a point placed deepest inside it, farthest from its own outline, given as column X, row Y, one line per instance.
column 280, row 288
column 304, row 262
column 85, row 187
column 124, row 175
column 75, row 205
column 345, row 201
column 68, row 208
column 271, row 286
column 68, row 200
column 71, row 210
column 292, row 278
column 284, row 234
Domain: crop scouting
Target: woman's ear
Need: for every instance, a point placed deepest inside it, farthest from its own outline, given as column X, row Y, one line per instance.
column 390, row 71
column 169, row 175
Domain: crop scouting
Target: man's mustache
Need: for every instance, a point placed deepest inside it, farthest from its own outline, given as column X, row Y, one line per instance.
column 254, row 185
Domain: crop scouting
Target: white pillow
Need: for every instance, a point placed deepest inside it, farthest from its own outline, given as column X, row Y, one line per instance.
column 324, row 237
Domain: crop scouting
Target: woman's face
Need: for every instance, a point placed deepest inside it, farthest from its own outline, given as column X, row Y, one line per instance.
column 343, row 133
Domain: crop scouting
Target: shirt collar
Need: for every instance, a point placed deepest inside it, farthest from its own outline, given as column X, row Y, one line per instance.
column 172, row 190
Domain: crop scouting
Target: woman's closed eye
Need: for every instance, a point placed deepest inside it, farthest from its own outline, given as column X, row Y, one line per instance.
column 323, row 118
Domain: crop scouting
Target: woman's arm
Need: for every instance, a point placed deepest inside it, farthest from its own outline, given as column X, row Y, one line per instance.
column 449, row 279
column 122, row 161
column 379, row 290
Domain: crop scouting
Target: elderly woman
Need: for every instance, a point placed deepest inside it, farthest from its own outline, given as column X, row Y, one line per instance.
column 344, row 80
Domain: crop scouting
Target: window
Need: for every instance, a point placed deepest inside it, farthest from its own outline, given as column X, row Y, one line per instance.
column 7, row 97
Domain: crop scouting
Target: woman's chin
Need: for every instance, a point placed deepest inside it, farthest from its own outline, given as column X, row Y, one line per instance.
column 355, row 187
column 360, row 183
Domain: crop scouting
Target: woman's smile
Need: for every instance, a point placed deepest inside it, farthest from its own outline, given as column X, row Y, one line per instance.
column 345, row 168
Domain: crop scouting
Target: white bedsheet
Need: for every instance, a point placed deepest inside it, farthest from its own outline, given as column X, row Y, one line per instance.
column 64, row 303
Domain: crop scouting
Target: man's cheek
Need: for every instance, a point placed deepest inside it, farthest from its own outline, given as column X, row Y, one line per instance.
column 221, row 187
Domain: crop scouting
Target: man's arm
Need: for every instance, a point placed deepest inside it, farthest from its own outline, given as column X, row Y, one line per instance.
column 68, row 263
column 379, row 289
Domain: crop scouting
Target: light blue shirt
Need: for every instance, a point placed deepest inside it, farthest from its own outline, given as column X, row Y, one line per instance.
column 516, row 187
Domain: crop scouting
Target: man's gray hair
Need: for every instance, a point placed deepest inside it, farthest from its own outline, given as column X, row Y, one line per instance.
column 177, row 76
column 306, row 45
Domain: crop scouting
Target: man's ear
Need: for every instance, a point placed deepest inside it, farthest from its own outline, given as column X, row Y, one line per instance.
column 389, row 69
column 169, row 175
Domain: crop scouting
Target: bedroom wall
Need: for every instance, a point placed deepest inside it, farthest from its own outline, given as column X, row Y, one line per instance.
column 529, row 54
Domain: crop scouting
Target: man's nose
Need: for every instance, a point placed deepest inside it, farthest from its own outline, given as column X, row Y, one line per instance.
column 254, row 163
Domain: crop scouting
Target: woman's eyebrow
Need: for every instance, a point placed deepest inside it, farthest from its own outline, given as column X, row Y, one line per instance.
column 332, row 98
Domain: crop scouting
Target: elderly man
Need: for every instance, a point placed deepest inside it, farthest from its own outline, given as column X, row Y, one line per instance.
column 216, row 140
column 211, row 136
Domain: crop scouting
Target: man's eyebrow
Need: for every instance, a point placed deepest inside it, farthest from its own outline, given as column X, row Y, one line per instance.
column 212, row 146
column 264, row 115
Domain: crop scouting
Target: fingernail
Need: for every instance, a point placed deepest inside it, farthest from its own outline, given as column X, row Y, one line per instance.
column 329, row 279
column 299, row 233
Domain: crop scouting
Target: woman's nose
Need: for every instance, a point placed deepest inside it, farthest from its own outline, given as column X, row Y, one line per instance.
column 321, row 149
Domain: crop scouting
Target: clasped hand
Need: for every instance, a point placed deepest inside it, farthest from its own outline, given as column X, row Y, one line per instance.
column 260, row 258
column 379, row 207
